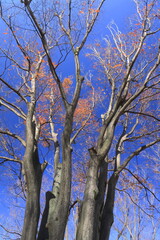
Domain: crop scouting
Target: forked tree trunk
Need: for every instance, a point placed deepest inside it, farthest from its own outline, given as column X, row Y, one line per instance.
column 58, row 219
column 92, row 202
column 107, row 216
column 59, row 204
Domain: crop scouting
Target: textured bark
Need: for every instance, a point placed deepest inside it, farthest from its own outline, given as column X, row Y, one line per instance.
column 107, row 216
column 33, row 178
column 58, row 220
column 100, row 198
column 85, row 228
column 90, row 211
column 43, row 231
column 59, row 207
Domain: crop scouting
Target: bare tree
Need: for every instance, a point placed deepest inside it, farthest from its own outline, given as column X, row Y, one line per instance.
column 128, row 119
column 130, row 83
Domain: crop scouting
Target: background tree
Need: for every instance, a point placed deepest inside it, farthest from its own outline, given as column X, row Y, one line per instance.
column 137, row 214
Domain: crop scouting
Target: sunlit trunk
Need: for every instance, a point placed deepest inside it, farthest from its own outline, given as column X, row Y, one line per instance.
column 60, row 208
column 59, row 204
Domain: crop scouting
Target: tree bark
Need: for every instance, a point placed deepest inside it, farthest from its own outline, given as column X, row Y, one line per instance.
column 107, row 216
column 89, row 211
column 100, row 198
column 33, row 176
column 43, row 230
column 85, row 227
column 57, row 221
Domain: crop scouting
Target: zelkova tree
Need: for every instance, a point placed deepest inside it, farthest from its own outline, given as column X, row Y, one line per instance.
column 51, row 111
column 133, row 83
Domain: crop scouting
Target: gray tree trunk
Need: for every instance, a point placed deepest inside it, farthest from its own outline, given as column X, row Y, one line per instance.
column 59, row 206
column 107, row 216
column 100, row 198
column 92, row 202
column 43, row 230
column 33, row 178
column 85, row 228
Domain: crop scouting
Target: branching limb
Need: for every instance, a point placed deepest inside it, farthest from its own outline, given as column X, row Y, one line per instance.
column 11, row 108
column 143, row 87
column 134, row 202
column 9, row 231
column 124, row 136
column 14, row 90
column 144, row 186
column 46, row 48
column 21, row 48
column 135, row 153
column 90, row 27
column 4, row 102
column 7, row 159
column 14, row 136
column 144, row 114
column 87, row 119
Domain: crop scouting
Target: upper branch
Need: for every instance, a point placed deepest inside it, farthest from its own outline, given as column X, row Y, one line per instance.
column 14, row 90
column 46, row 48
column 90, row 27
column 136, row 152
column 143, row 87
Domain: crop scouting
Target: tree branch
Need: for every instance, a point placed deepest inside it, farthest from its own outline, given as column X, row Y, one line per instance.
column 13, row 89
column 14, row 136
column 7, row 159
column 135, row 153
column 146, row 188
column 12, row 107
column 144, row 114
column 46, row 49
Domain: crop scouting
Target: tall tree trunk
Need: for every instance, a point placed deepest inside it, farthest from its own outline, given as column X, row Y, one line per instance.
column 90, row 204
column 107, row 216
column 85, row 228
column 57, row 221
column 100, row 198
column 33, row 175
column 43, row 230
column 51, row 204
column 59, row 206
column 51, row 197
